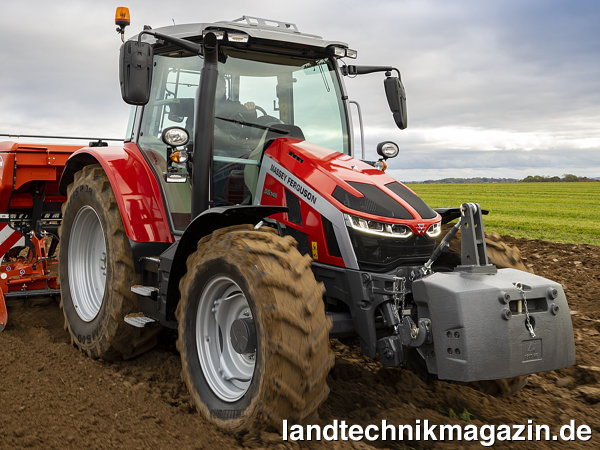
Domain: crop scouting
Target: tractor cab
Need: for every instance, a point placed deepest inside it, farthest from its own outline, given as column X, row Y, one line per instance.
column 269, row 81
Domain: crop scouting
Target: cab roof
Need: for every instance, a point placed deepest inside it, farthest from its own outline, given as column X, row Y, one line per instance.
column 257, row 28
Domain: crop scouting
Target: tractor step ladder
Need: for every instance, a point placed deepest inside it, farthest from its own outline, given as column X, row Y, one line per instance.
column 144, row 291
column 139, row 320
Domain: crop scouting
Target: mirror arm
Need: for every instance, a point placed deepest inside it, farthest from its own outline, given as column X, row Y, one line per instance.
column 362, row 70
column 183, row 43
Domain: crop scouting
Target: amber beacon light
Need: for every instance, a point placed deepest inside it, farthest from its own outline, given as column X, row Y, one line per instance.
column 122, row 20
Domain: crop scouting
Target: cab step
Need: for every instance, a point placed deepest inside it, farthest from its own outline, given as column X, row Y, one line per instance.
column 139, row 320
column 144, row 291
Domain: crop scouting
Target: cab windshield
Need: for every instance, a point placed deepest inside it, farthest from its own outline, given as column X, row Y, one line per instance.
column 284, row 89
column 255, row 91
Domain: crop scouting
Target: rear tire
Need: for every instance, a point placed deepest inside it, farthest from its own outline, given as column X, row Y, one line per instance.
column 97, row 272
column 235, row 273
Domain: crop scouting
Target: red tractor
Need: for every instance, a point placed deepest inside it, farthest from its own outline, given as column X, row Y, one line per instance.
column 236, row 213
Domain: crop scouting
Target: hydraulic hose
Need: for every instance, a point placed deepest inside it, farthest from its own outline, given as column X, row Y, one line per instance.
column 440, row 248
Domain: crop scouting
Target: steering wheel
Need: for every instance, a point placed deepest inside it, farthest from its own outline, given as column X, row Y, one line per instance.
column 261, row 109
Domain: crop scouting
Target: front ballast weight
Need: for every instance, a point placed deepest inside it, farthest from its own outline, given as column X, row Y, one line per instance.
column 479, row 322
column 480, row 330
column 407, row 332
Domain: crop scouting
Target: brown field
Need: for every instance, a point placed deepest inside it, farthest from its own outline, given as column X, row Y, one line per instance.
column 53, row 396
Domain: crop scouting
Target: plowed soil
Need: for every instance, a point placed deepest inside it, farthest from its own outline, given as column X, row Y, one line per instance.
column 51, row 395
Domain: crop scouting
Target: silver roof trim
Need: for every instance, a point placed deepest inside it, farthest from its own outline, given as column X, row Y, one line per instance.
column 254, row 31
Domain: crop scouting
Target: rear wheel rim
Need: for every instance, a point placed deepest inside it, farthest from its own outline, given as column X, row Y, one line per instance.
column 227, row 372
column 87, row 263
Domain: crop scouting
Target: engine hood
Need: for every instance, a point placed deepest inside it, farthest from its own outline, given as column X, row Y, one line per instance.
column 351, row 185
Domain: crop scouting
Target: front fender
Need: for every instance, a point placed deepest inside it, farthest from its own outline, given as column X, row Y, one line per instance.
column 174, row 259
column 134, row 184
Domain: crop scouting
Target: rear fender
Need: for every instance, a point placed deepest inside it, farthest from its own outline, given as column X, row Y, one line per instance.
column 135, row 186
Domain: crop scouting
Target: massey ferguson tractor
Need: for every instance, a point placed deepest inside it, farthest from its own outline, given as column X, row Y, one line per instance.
column 237, row 213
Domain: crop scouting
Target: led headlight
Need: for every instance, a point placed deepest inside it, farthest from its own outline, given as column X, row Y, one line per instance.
column 434, row 230
column 387, row 149
column 339, row 52
column 237, row 37
column 218, row 34
column 378, row 228
column 175, row 136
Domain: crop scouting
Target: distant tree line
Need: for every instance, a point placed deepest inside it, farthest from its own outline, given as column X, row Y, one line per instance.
column 469, row 180
column 567, row 178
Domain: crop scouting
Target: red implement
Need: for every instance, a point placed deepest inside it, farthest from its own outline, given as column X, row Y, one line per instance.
column 29, row 211
column 3, row 314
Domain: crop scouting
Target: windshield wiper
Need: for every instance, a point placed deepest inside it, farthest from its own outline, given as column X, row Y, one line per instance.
column 255, row 125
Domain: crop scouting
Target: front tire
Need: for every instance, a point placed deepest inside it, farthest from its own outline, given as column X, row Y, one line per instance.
column 257, row 276
column 97, row 272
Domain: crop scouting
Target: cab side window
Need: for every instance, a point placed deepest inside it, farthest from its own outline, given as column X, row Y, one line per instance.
column 175, row 81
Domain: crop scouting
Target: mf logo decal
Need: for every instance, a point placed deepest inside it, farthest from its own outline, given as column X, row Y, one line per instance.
column 420, row 228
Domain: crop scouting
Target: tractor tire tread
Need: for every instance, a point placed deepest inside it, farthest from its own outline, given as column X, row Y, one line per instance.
column 117, row 340
column 294, row 380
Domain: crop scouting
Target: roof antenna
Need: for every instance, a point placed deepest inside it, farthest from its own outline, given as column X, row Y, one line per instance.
column 173, row 21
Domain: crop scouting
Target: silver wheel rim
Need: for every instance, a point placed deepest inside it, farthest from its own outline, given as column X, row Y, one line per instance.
column 87, row 263
column 227, row 372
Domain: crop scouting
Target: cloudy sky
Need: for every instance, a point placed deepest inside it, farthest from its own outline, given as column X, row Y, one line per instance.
column 503, row 88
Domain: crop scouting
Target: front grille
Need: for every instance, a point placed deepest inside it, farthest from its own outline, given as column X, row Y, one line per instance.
column 382, row 254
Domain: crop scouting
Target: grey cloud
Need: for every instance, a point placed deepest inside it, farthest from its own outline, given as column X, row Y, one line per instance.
column 511, row 66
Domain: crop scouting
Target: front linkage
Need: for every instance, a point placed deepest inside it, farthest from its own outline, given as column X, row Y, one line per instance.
column 477, row 322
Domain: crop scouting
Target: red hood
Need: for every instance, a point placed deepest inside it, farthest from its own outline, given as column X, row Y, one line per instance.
column 324, row 170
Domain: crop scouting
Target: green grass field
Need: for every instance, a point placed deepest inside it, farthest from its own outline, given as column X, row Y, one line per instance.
column 560, row 212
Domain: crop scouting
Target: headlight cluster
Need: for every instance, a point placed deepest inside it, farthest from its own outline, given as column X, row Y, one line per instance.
column 378, row 228
column 387, row 229
column 434, row 230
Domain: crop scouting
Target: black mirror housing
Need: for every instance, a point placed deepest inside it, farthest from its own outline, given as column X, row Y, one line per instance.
column 135, row 72
column 396, row 97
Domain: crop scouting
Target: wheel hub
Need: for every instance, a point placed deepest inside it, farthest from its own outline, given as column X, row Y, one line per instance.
column 225, row 338
column 243, row 335
column 87, row 263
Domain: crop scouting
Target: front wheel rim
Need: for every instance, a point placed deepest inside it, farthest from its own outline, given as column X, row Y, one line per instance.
column 228, row 373
column 87, row 263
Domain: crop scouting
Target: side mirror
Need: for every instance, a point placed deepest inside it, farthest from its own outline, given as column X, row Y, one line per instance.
column 396, row 97
column 135, row 72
